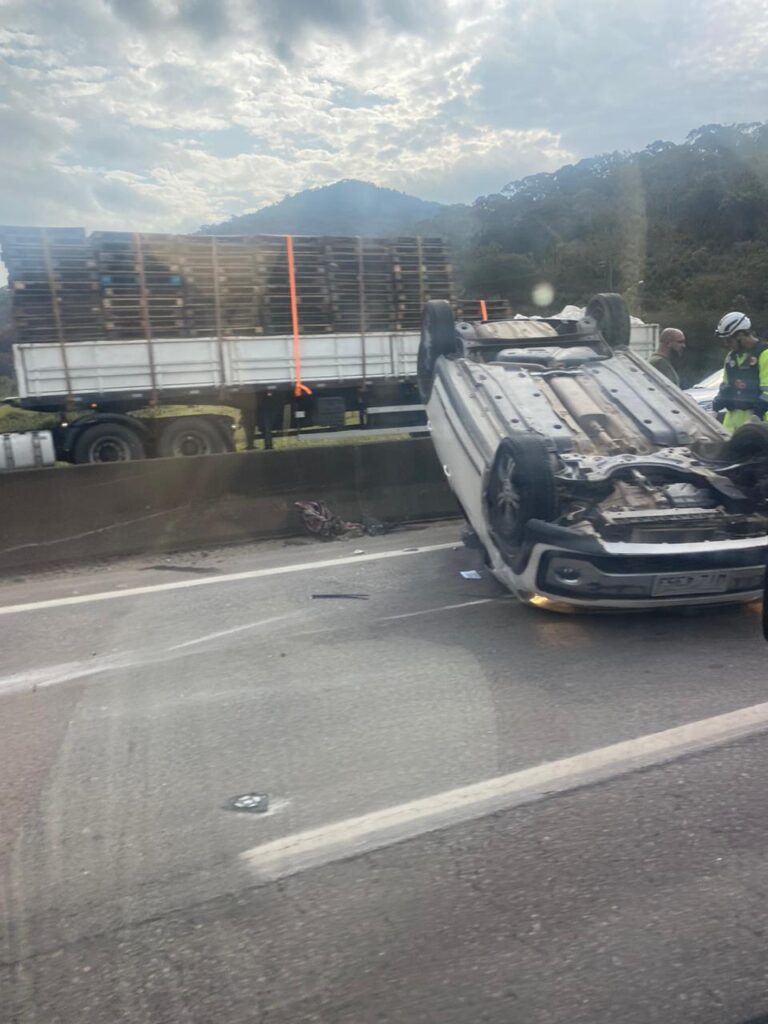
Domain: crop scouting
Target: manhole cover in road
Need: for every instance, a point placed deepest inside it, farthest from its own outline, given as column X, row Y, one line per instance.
column 252, row 803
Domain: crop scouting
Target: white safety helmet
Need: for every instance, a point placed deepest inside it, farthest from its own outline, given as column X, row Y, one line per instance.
column 731, row 323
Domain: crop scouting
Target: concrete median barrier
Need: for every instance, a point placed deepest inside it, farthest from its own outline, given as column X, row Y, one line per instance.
column 54, row 517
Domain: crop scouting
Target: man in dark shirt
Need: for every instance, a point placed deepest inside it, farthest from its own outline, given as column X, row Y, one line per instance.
column 671, row 348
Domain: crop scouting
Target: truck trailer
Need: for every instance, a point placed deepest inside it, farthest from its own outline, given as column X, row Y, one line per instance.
column 295, row 332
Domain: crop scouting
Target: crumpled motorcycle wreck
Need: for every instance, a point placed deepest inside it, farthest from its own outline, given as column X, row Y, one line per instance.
column 586, row 476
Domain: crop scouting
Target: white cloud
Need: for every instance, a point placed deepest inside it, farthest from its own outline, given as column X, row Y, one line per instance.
column 165, row 114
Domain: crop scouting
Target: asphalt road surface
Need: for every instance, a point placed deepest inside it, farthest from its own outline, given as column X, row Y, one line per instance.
column 477, row 811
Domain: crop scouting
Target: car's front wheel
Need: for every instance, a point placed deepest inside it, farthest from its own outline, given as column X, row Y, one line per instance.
column 521, row 486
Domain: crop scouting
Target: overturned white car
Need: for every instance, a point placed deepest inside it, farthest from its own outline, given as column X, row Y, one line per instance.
column 586, row 476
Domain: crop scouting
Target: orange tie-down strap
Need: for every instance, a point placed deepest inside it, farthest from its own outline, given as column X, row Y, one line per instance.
column 483, row 311
column 298, row 388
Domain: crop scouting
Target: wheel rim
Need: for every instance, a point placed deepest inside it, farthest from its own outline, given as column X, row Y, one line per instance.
column 597, row 312
column 109, row 449
column 191, row 444
column 507, row 498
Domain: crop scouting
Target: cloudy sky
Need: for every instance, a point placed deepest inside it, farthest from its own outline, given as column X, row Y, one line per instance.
column 166, row 114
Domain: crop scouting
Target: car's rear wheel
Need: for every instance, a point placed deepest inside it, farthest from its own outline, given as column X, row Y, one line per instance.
column 610, row 313
column 748, row 442
column 521, row 486
column 438, row 338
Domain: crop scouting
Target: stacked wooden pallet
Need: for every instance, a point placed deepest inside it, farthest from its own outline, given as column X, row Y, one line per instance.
column 221, row 286
column 422, row 272
column 122, row 285
column 361, row 284
column 142, row 289
column 313, row 297
column 496, row 309
column 52, row 274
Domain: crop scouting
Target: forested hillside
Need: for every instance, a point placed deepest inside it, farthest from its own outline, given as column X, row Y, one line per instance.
column 680, row 230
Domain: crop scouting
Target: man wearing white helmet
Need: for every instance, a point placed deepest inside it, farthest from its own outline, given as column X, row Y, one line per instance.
column 744, row 391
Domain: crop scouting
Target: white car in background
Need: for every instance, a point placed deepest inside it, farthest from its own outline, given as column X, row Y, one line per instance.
column 704, row 392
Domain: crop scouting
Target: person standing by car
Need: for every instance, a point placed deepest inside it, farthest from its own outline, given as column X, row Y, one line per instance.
column 669, row 352
column 744, row 391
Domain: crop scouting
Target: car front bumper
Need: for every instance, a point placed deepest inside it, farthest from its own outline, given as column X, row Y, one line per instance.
column 560, row 567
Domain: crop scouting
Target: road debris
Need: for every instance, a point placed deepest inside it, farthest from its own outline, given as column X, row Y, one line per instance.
column 351, row 597
column 471, row 574
column 251, row 803
column 318, row 520
column 197, row 570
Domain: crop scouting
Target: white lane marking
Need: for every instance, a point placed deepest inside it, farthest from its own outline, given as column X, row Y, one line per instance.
column 355, row 836
column 229, row 632
column 207, row 581
column 50, row 675
column 440, row 608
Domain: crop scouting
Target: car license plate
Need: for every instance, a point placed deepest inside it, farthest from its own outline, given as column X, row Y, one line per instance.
column 690, row 583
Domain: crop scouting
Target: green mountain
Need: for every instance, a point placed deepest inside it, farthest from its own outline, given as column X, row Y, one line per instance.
column 345, row 208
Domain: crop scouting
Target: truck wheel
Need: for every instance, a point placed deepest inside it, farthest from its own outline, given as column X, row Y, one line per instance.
column 521, row 486
column 190, row 437
column 438, row 338
column 610, row 313
column 108, row 442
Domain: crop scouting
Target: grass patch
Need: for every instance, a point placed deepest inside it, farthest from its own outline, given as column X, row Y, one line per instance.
column 14, row 421
column 307, row 441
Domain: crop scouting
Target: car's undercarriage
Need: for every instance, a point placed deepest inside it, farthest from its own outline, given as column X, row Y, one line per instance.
column 558, row 422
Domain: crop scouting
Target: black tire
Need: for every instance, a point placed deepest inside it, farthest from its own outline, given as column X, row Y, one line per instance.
column 438, row 338
column 610, row 313
column 521, row 486
column 748, row 442
column 108, row 442
column 190, row 436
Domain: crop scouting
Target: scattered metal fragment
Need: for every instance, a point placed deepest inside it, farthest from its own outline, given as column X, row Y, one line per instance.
column 351, row 597
column 195, row 569
column 251, row 803
column 471, row 574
